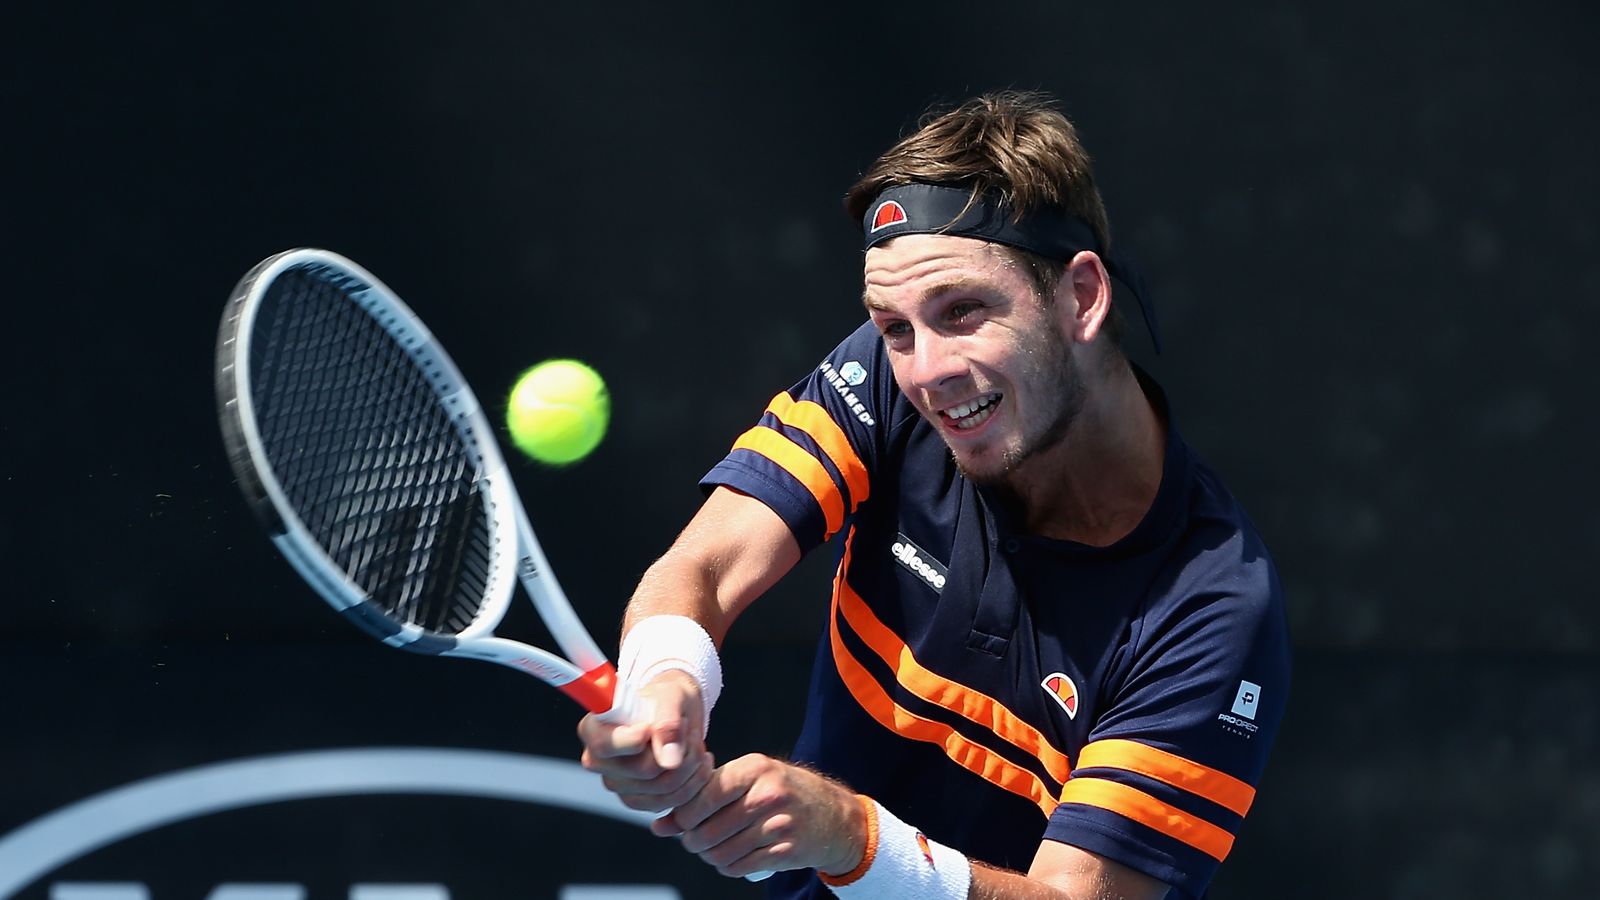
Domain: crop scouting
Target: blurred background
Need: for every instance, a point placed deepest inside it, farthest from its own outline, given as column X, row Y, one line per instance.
column 1371, row 231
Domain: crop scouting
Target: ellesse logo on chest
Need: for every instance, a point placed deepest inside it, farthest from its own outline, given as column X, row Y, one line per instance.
column 920, row 562
column 1058, row 686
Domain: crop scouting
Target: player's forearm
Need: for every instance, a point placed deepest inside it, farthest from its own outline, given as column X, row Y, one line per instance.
column 733, row 550
column 999, row 884
column 896, row 861
column 678, row 584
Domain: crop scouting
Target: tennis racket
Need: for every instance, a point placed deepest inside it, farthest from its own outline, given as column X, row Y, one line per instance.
column 371, row 464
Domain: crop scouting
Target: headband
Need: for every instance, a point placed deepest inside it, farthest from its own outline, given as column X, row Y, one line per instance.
column 1051, row 232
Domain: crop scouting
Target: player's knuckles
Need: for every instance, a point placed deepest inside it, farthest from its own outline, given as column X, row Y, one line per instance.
column 691, row 786
column 644, row 802
column 724, row 854
column 644, row 787
column 779, row 857
column 779, row 827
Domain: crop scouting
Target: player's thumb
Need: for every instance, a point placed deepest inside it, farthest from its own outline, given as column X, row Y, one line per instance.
column 669, row 730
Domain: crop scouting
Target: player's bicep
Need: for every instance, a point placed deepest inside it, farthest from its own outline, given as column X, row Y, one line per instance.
column 1079, row 873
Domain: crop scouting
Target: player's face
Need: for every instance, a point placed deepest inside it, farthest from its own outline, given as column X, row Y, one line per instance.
column 974, row 349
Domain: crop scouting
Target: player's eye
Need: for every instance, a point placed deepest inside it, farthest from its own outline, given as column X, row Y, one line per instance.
column 892, row 330
column 962, row 311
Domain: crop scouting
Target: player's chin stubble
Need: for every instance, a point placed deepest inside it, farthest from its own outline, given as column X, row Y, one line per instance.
column 1066, row 402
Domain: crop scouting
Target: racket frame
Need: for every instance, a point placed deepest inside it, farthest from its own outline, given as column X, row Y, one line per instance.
column 585, row 674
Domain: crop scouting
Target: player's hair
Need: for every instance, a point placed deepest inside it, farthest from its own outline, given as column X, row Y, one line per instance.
column 1013, row 144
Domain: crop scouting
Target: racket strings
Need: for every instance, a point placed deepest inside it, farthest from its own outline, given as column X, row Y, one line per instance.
column 369, row 457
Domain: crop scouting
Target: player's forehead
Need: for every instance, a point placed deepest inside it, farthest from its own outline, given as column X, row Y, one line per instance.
column 915, row 268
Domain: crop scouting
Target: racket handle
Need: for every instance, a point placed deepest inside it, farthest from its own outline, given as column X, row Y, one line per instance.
column 624, row 707
column 595, row 690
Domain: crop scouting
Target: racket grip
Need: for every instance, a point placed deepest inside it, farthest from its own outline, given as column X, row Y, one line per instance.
column 623, row 706
column 596, row 689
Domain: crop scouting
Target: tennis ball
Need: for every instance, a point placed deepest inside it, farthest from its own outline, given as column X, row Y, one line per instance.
column 558, row 411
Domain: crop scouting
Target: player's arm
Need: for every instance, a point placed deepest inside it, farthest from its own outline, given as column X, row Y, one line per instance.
column 1064, row 871
column 732, row 551
column 757, row 813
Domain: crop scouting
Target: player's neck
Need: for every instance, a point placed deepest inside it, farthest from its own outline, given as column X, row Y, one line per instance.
column 1095, row 486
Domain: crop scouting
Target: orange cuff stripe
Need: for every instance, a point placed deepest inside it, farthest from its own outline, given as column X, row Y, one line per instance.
column 813, row 419
column 1218, row 787
column 803, row 466
column 974, row 706
column 975, row 758
column 869, row 854
column 1147, row 810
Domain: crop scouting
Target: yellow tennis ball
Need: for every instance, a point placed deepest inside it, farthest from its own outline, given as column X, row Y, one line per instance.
column 558, row 411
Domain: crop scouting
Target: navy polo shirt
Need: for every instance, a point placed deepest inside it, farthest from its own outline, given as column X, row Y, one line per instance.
column 996, row 689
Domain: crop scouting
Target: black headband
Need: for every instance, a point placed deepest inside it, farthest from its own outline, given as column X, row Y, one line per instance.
column 1051, row 232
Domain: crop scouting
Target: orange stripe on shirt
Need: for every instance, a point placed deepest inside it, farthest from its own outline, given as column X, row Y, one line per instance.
column 806, row 469
column 1218, row 787
column 872, row 698
column 813, row 419
column 1135, row 804
column 974, row 706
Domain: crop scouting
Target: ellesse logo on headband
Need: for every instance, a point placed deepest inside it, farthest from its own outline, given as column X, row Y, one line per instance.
column 889, row 213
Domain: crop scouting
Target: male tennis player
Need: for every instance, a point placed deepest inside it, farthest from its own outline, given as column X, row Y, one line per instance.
column 1056, row 654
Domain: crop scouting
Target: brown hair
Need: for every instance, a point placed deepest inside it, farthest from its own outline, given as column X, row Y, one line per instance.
column 1013, row 144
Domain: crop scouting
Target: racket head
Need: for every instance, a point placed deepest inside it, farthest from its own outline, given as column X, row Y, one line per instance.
column 363, row 452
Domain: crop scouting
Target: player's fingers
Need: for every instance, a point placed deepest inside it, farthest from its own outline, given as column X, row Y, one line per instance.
column 762, row 846
column 654, row 797
column 678, row 784
column 667, row 741
column 735, row 832
column 717, row 793
column 695, row 779
column 722, row 807
column 605, row 740
column 639, row 767
column 675, row 722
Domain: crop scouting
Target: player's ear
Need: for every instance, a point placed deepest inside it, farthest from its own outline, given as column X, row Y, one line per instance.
column 1083, row 297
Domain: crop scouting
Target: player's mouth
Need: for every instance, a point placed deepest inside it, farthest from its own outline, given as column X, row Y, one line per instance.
column 969, row 416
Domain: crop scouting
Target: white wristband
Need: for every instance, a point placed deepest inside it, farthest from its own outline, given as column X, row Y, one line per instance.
column 900, row 863
column 657, row 644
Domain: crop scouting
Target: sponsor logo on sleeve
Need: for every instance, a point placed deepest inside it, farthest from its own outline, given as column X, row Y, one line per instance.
column 1240, row 719
column 840, row 380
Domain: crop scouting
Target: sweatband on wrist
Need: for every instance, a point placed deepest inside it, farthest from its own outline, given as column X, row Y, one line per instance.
column 657, row 644
column 900, row 863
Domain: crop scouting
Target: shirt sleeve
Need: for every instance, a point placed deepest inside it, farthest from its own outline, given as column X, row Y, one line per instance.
column 1169, row 770
column 813, row 454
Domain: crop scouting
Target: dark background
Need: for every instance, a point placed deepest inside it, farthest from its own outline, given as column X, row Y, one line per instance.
column 1370, row 229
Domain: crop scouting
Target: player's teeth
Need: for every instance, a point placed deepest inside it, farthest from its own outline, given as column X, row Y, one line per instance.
column 960, row 413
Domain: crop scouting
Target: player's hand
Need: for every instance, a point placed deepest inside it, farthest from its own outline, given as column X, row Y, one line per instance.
column 660, row 761
column 759, row 814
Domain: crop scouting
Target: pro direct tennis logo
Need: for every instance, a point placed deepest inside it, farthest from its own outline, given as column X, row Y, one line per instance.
column 1240, row 719
column 122, row 831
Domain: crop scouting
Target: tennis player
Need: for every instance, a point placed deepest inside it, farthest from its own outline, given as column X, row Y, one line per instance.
column 1056, row 654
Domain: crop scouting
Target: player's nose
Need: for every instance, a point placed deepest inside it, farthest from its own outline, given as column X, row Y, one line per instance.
column 936, row 360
